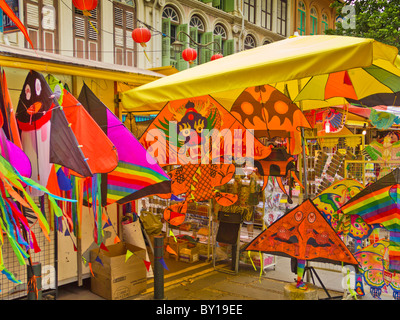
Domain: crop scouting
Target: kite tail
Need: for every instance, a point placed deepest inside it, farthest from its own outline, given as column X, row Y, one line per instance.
column 282, row 187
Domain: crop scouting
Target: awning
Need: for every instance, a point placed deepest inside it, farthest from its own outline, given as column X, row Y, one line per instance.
column 289, row 59
column 40, row 61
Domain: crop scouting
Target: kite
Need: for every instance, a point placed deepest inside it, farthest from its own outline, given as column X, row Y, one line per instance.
column 87, row 132
column 200, row 130
column 332, row 198
column 374, row 268
column 303, row 234
column 267, row 109
column 137, row 174
column 379, row 203
column 205, row 140
column 46, row 135
column 198, row 182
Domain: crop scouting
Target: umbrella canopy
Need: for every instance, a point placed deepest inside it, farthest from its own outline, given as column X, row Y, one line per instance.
column 290, row 59
column 379, row 203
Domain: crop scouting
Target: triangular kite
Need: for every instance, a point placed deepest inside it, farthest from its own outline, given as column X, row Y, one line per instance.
column 102, row 246
column 171, row 234
column 304, row 234
column 90, row 267
column 116, row 239
column 163, row 263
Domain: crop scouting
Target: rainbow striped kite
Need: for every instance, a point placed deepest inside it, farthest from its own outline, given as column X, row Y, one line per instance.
column 137, row 174
column 379, row 203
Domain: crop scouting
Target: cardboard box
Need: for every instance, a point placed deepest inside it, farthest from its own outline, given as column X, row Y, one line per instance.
column 115, row 279
column 189, row 255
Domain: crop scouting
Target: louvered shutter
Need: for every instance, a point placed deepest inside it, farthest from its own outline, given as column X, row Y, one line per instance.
column 229, row 47
column 181, row 63
column 207, row 52
column 166, row 42
column 193, row 35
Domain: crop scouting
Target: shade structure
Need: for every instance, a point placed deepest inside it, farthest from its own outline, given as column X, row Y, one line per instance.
column 379, row 203
column 304, row 234
column 297, row 58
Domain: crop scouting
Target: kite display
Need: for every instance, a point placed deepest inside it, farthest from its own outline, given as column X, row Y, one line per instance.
column 266, row 108
column 379, row 203
column 46, row 135
column 137, row 174
column 304, row 234
column 374, row 263
column 199, row 130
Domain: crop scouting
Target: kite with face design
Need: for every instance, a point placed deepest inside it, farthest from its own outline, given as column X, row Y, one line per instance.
column 46, row 135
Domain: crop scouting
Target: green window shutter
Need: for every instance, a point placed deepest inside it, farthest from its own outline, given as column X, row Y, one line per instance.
column 206, row 52
column 302, row 27
column 206, row 1
column 166, row 42
column 193, row 35
column 216, row 3
column 217, row 39
column 229, row 5
column 229, row 47
column 181, row 63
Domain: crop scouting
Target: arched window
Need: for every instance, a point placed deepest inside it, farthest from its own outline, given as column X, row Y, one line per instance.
column 314, row 21
column 170, row 23
column 124, row 23
column 220, row 37
column 301, row 18
column 249, row 42
column 324, row 23
column 196, row 28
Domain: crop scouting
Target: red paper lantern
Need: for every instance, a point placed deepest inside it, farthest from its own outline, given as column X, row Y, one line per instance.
column 141, row 35
column 85, row 5
column 216, row 56
column 189, row 55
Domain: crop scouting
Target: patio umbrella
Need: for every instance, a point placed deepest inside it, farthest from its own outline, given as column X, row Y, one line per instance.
column 291, row 61
column 379, row 203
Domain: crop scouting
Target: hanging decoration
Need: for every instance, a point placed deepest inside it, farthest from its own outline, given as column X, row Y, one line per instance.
column 141, row 35
column 216, row 56
column 85, row 5
column 189, row 55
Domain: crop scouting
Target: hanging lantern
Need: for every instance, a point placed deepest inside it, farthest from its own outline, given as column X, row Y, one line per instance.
column 189, row 55
column 141, row 35
column 216, row 56
column 85, row 5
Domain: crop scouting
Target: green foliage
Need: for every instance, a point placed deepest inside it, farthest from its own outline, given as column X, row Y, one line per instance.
column 376, row 19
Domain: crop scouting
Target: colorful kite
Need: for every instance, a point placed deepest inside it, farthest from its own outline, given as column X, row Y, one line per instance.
column 379, row 203
column 304, row 234
column 137, row 174
column 373, row 261
column 46, row 135
column 267, row 110
column 200, row 130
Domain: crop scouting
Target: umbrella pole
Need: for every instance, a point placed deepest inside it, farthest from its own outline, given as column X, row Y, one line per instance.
column 303, row 155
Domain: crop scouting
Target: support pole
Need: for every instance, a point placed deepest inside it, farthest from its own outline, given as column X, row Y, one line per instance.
column 35, row 281
column 158, row 268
